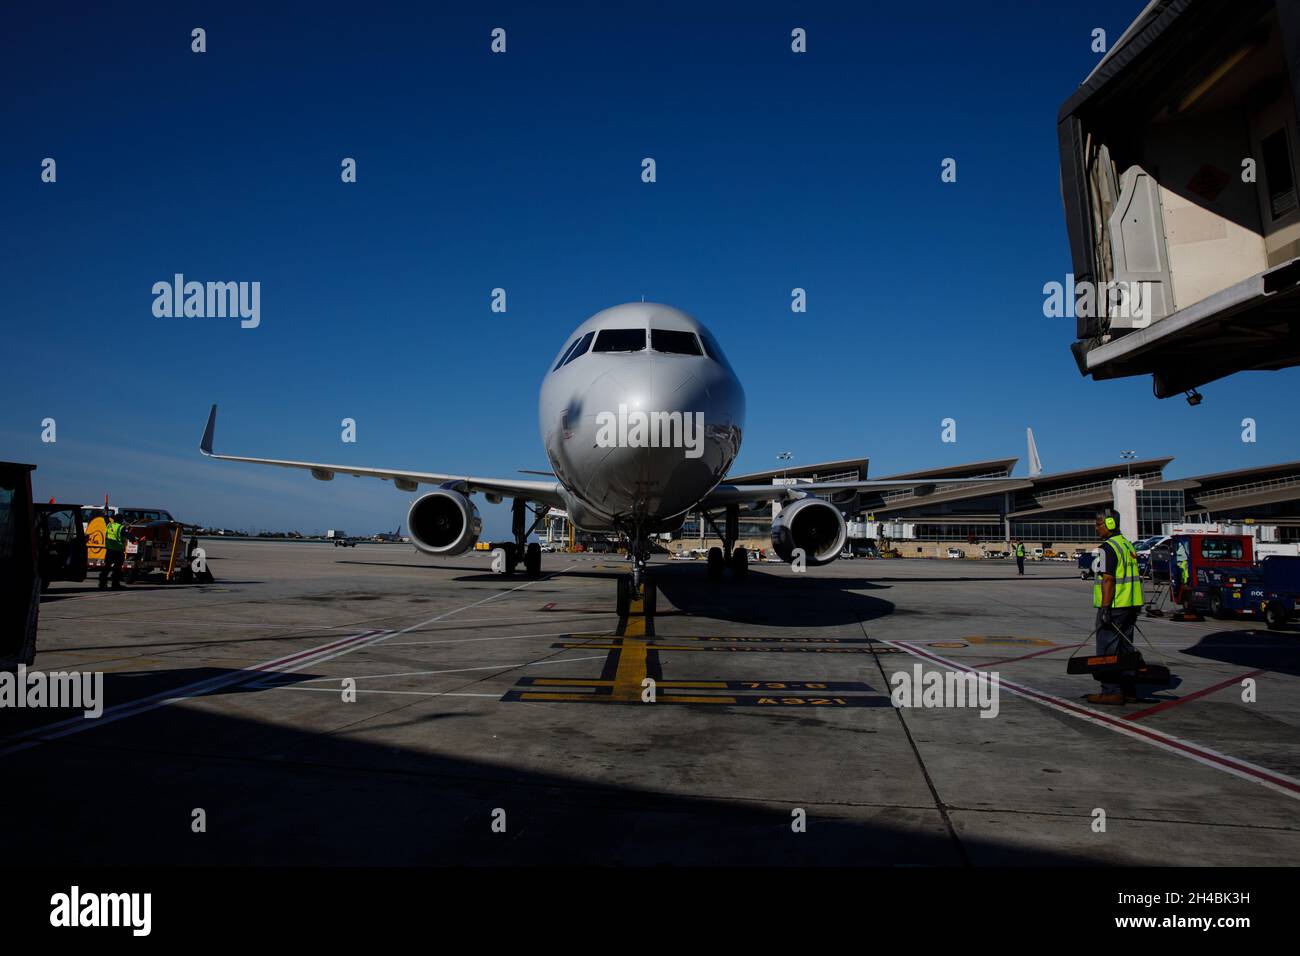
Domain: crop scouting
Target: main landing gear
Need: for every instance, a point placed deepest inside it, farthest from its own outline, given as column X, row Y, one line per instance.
column 520, row 549
column 718, row 560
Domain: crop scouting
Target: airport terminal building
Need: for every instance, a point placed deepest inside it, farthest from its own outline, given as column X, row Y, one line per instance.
column 1053, row 510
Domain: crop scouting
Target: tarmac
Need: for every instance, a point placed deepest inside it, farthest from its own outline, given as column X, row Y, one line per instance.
column 372, row 705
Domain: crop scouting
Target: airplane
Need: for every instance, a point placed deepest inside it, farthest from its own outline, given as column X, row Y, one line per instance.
column 641, row 416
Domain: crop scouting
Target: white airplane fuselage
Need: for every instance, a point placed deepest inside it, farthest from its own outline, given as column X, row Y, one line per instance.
column 637, row 436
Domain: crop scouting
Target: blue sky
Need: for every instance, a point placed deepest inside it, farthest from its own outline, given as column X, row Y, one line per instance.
column 522, row 171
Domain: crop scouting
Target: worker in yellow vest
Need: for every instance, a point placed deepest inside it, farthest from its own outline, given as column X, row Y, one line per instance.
column 1019, row 552
column 115, row 538
column 1117, row 596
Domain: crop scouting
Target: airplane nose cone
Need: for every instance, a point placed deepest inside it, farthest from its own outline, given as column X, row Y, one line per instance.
column 649, row 418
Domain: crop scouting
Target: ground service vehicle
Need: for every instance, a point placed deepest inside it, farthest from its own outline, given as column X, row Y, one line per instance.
column 20, row 581
column 60, row 543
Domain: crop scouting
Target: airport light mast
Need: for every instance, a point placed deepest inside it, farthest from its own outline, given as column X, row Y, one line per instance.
column 785, row 456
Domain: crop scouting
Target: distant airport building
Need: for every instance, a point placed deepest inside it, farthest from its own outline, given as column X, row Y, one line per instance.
column 1268, row 497
column 1054, row 510
column 1180, row 181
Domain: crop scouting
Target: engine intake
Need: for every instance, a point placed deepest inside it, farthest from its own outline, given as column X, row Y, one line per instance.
column 444, row 522
column 813, row 525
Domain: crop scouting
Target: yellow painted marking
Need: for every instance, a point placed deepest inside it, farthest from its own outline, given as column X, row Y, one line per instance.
column 631, row 670
column 567, row 682
column 564, row 697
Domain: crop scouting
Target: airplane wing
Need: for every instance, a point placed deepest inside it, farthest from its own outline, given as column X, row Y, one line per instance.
column 544, row 492
column 726, row 494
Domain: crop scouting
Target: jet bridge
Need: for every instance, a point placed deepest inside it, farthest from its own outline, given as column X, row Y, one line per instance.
column 1179, row 178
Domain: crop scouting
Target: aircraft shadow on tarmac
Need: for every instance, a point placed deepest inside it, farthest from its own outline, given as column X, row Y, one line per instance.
column 1277, row 651
column 772, row 598
column 277, row 793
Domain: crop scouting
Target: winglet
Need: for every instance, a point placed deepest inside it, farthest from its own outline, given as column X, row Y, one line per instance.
column 205, row 446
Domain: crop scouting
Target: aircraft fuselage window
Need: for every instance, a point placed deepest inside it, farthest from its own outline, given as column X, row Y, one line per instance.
column 580, row 349
column 674, row 342
column 620, row 340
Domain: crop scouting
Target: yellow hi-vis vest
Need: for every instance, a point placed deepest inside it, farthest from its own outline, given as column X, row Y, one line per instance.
column 1020, row 551
column 113, row 536
column 1128, row 582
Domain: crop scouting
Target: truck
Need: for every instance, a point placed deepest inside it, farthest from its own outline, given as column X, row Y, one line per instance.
column 1211, row 561
column 1270, row 591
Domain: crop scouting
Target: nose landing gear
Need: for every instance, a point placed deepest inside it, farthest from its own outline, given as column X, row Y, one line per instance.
column 636, row 591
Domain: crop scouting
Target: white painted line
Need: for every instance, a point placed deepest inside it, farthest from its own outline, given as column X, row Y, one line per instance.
column 125, row 617
column 287, row 664
column 457, row 670
column 476, row 640
column 1272, row 779
column 72, row 725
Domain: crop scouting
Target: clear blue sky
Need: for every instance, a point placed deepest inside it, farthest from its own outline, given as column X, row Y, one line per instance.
column 522, row 171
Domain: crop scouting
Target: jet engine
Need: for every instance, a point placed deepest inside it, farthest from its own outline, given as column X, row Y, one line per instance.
column 813, row 525
column 444, row 522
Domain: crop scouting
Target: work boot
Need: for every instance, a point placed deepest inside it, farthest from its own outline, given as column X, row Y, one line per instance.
column 1106, row 698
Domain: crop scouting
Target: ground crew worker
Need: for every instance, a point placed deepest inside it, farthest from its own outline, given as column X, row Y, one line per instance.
column 115, row 536
column 1117, row 596
column 1181, row 561
column 1020, row 557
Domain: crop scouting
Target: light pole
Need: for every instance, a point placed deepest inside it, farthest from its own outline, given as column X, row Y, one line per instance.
column 785, row 456
column 1129, row 457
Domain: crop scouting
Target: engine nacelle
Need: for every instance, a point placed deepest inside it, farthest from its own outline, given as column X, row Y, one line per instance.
column 813, row 525
column 444, row 522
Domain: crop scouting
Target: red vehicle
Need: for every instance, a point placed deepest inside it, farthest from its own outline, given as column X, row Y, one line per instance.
column 1198, row 563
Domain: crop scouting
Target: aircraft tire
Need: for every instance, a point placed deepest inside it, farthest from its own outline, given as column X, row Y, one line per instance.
column 716, row 564
column 1275, row 616
column 624, row 596
column 533, row 560
column 740, row 563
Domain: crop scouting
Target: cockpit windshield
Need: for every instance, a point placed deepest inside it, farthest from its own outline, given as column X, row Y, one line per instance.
column 674, row 342
column 620, row 340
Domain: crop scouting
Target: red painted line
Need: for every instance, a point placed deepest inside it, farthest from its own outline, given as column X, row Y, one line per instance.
column 1046, row 650
column 1211, row 758
column 1138, row 715
column 316, row 650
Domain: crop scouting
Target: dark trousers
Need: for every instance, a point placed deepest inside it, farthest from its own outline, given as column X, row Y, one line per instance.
column 112, row 563
column 1020, row 564
column 1116, row 639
